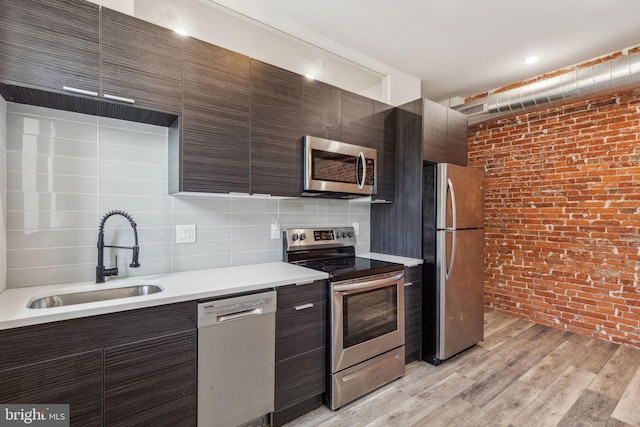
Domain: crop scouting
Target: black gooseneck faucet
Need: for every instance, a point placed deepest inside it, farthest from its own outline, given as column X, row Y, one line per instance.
column 101, row 271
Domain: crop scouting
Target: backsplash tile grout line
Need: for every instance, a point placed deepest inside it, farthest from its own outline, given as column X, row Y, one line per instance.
column 230, row 230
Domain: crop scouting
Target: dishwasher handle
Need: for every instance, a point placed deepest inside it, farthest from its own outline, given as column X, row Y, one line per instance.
column 215, row 312
column 239, row 315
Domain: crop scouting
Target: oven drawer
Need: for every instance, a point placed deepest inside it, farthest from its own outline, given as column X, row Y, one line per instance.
column 299, row 331
column 296, row 295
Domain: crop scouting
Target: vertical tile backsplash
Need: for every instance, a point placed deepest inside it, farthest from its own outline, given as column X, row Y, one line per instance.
column 64, row 171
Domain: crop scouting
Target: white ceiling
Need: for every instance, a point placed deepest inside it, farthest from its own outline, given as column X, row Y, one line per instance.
column 457, row 47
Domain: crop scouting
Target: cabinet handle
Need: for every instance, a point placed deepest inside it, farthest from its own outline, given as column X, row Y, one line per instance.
column 79, row 91
column 119, row 98
column 408, row 284
column 303, row 307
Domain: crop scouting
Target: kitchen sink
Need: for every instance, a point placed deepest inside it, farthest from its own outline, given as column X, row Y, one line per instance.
column 64, row 299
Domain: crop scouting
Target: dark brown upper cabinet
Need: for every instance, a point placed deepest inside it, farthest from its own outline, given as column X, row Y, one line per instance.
column 276, row 130
column 384, row 137
column 49, row 45
column 141, row 62
column 444, row 134
column 457, row 145
column 357, row 120
column 215, row 146
column 322, row 107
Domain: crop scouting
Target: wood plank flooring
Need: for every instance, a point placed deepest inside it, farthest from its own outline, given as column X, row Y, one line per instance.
column 522, row 374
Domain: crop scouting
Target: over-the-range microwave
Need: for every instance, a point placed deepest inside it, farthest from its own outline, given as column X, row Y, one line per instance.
column 337, row 169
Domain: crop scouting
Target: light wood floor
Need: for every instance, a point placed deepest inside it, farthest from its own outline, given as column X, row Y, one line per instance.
column 522, row 374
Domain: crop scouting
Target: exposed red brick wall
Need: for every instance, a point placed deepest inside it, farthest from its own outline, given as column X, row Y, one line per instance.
column 562, row 220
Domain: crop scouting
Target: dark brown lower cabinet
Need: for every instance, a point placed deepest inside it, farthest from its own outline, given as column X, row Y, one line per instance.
column 74, row 380
column 412, row 313
column 151, row 382
column 300, row 350
column 131, row 368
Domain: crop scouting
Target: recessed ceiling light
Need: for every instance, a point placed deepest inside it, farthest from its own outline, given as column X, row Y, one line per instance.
column 181, row 31
column 310, row 76
column 531, row 59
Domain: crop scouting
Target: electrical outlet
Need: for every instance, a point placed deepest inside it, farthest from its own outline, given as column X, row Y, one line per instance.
column 186, row 233
column 356, row 227
column 275, row 231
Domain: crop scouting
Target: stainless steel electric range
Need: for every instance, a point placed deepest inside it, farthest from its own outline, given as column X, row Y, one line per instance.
column 366, row 317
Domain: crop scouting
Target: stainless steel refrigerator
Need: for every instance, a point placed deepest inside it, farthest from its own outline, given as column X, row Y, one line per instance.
column 453, row 248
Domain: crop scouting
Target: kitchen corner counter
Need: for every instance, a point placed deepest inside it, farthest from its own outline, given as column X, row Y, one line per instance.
column 408, row 262
column 178, row 287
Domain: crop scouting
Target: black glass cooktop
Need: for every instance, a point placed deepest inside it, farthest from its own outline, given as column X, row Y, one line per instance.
column 345, row 268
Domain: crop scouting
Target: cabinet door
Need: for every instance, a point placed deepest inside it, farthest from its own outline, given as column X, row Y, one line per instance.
column 141, row 61
column 151, row 382
column 357, row 120
column 456, row 138
column 75, row 380
column 276, row 130
column 384, row 136
column 434, row 132
column 215, row 120
column 413, row 313
column 300, row 350
column 321, row 108
column 50, row 44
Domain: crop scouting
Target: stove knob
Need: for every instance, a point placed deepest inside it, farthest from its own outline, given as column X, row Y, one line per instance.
column 350, row 234
column 294, row 237
column 337, row 234
column 344, row 234
column 303, row 236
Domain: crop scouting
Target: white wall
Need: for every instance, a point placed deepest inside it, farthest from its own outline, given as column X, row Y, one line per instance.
column 3, row 198
column 66, row 170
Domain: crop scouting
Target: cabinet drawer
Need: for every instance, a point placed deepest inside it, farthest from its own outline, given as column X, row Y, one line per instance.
column 300, row 377
column 413, row 274
column 300, row 331
column 31, row 344
column 295, row 295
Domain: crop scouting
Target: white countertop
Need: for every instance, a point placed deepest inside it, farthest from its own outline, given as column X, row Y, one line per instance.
column 408, row 262
column 178, row 287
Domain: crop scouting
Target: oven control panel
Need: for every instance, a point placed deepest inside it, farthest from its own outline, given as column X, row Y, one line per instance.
column 315, row 238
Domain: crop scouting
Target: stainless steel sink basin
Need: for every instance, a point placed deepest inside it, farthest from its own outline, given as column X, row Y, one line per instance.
column 60, row 300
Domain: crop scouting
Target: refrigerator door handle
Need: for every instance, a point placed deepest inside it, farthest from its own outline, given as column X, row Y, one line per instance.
column 453, row 253
column 452, row 196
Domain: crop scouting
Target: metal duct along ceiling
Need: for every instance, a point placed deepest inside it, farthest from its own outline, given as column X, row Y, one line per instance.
column 616, row 74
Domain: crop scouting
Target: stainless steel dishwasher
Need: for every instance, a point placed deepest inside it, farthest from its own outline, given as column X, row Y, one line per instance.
column 236, row 360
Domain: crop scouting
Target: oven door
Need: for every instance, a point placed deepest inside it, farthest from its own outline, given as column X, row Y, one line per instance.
column 367, row 317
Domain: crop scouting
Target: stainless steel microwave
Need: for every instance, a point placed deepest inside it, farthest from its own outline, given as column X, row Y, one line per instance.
column 337, row 169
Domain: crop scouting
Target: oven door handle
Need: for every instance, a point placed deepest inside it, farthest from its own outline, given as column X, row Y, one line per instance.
column 368, row 284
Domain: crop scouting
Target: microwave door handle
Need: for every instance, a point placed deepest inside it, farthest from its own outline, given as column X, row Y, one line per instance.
column 362, row 179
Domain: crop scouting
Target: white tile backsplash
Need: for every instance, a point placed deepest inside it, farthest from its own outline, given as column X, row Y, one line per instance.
column 66, row 170
column 3, row 193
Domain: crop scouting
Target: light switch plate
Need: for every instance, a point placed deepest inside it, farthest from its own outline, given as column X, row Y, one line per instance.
column 186, row 233
column 275, row 231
